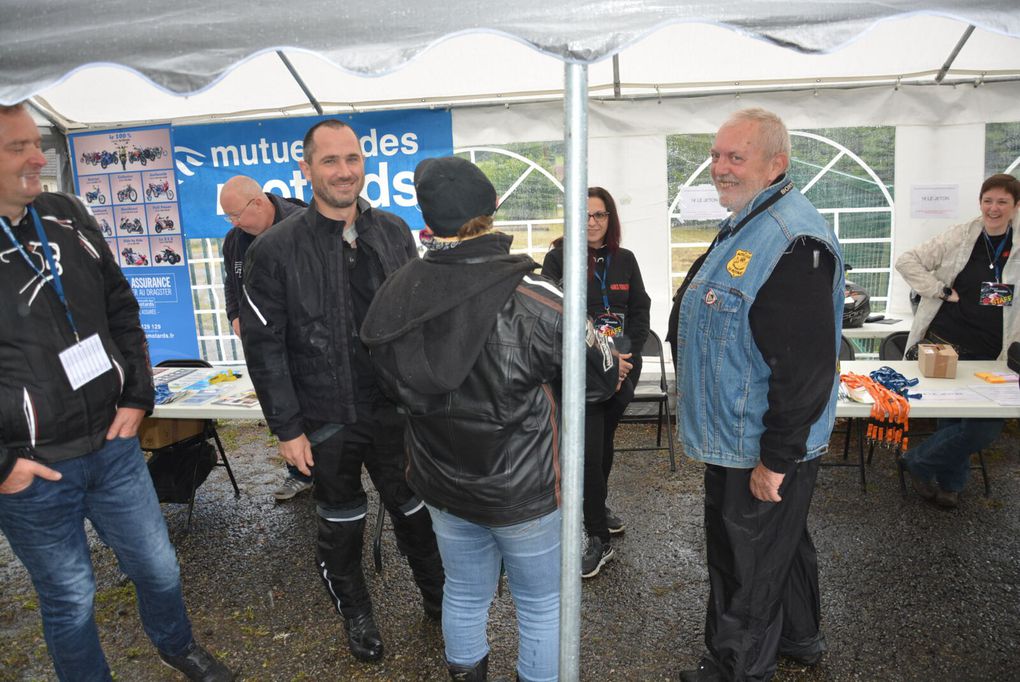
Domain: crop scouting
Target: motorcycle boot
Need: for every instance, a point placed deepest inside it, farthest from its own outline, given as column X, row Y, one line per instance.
column 338, row 556
column 412, row 527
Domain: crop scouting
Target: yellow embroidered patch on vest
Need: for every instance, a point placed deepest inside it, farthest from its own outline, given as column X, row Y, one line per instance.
column 738, row 264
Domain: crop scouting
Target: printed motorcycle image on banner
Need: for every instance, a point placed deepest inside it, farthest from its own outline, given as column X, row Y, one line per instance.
column 208, row 155
column 126, row 177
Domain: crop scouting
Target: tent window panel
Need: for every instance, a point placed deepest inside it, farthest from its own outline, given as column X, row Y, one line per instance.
column 684, row 155
column 1002, row 148
column 846, row 185
column 702, row 231
column 682, row 258
column 867, row 255
column 863, row 225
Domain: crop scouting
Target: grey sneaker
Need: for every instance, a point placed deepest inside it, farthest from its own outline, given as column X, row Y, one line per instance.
column 614, row 522
column 596, row 555
column 290, row 488
column 198, row 665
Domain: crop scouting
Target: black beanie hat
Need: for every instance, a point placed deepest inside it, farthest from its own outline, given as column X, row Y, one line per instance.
column 452, row 191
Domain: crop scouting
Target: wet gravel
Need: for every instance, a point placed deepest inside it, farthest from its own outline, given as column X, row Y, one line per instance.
column 909, row 592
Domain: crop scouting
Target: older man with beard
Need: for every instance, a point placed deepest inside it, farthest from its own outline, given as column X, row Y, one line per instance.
column 757, row 399
column 308, row 283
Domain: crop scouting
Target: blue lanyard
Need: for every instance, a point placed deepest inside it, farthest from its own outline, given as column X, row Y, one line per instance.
column 998, row 251
column 602, row 280
column 54, row 277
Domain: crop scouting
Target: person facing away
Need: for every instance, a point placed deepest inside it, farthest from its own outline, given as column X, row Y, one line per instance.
column 757, row 340
column 250, row 212
column 308, row 283
column 470, row 343
column 75, row 383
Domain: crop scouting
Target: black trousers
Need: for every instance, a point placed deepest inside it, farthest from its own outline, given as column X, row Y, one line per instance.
column 763, row 574
column 376, row 442
column 600, row 422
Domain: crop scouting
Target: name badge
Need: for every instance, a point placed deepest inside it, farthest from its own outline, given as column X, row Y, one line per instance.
column 85, row 361
column 996, row 293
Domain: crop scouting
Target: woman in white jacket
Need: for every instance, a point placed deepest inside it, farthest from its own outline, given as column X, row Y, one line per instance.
column 965, row 277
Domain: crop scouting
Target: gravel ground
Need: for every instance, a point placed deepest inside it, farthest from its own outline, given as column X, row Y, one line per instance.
column 909, row 592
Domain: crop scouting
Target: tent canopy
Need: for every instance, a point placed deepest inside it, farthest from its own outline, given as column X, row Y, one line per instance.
column 127, row 62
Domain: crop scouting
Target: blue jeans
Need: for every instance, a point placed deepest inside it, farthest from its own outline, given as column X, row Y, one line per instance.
column 45, row 526
column 471, row 553
column 945, row 455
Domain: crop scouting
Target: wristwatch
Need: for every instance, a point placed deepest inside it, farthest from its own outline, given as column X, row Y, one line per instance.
column 946, row 293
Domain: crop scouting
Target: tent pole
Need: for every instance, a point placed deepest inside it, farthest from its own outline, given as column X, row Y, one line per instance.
column 616, row 76
column 300, row 81
column 575, row 286
column 952, row 55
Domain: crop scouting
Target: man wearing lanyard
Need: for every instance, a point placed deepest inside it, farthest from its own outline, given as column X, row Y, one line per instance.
column 757, row 339
column 74, row 385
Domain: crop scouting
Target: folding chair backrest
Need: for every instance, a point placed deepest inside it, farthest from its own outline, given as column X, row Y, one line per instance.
column 653, row 349
column 846, row 349
column 184, row 362
column 893, row 346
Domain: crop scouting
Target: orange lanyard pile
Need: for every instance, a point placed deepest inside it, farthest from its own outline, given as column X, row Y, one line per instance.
column 887, row 425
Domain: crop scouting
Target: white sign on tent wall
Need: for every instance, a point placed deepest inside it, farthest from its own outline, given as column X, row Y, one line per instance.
column 934, row 201
column 700, row 202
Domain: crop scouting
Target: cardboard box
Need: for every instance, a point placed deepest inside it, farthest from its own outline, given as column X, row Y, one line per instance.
column 937, row 360
column 159, row 433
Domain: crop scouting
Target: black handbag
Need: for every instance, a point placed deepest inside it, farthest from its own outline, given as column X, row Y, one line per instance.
column 177, row 470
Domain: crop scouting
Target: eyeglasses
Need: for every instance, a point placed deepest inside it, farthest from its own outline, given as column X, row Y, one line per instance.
column 234, row 217
column 599, row 216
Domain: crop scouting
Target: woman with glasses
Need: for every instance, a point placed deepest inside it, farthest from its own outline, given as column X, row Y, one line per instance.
column 619, row 307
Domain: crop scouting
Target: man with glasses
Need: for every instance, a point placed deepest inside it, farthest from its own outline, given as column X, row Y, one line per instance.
column 75, row 383
column 251, row 212
column 308, row 283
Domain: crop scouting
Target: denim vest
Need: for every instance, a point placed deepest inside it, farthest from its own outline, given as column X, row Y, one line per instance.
column 722, row 380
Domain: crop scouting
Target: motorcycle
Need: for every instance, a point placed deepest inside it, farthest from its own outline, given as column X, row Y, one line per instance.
column 132, row 258
column 94, row 196
column 108, row 158
column 137, row 155
column 127, row 193
column 129, row 226
column 105, row 227
column 168, row 256
column 155, row 189
column 163, row 223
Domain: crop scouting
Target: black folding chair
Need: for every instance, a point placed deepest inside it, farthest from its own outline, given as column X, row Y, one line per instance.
column 846, row 352
column 208, row 432
column 654, row 392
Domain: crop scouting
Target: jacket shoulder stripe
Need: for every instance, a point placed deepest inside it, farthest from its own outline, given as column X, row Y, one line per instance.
column 544, row 300
column 262, row 318
column 544, row 284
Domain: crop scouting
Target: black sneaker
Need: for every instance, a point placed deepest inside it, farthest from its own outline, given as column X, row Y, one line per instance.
column 198, row 665
column 614, row 522
column 596, row 555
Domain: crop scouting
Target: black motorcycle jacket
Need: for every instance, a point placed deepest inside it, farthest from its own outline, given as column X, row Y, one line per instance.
column 41, row 416
column 235, row 247
column 297, row 322
column 469, row 343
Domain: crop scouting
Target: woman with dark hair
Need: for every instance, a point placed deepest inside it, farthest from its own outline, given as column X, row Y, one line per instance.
column 619, row 308
column 966, row 278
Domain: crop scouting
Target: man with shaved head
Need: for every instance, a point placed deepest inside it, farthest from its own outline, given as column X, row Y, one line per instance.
column 251, row 212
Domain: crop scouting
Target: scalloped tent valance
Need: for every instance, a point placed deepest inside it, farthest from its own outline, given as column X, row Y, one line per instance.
column 120, row 61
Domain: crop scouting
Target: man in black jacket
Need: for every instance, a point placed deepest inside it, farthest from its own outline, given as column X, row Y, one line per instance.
column 308, row 283
column 251, row 212
column 74, row 385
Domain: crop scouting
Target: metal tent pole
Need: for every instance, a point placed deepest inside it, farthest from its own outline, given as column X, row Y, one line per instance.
column 575, row 266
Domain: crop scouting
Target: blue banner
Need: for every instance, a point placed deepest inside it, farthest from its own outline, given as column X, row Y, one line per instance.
column 126, row 178
column 206, row 156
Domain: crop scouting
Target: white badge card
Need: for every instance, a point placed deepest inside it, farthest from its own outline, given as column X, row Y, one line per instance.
column 85, row 361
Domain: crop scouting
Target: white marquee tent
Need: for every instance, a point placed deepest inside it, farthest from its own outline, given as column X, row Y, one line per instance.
column 938, row 72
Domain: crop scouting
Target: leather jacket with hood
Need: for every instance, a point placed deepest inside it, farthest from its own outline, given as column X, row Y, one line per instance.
column 469, row 342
